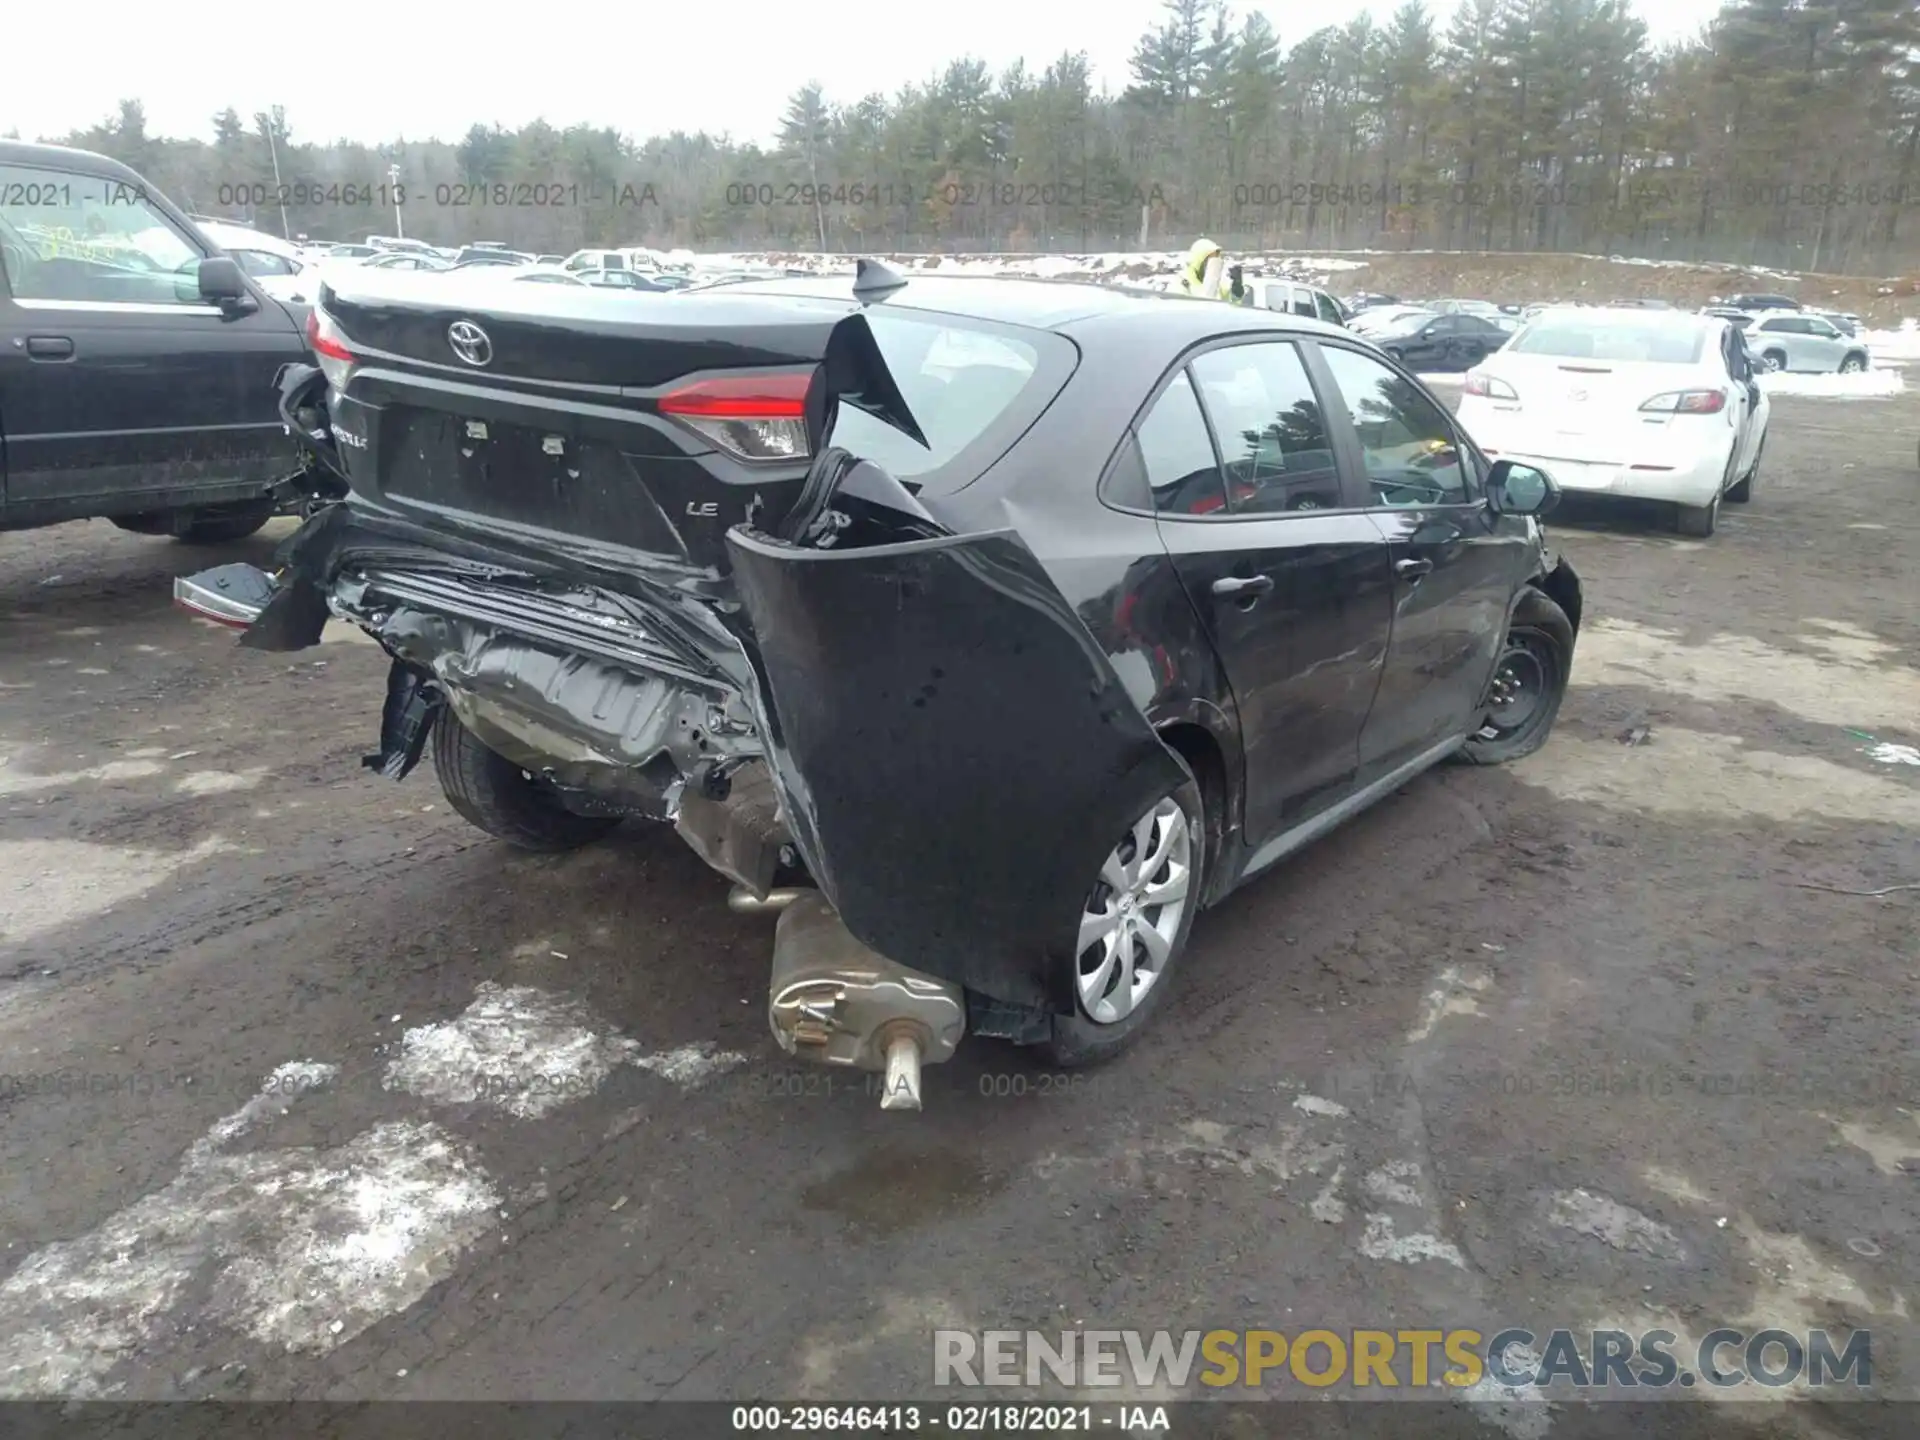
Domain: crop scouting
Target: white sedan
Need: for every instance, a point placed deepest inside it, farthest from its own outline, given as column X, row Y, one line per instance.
column 1652, row 405
column 277, row 266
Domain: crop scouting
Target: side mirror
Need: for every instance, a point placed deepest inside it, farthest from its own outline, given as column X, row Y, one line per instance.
column 1514, row 489
column 221, row 281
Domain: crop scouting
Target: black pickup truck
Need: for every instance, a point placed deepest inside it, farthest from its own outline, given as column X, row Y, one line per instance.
column 138, row 364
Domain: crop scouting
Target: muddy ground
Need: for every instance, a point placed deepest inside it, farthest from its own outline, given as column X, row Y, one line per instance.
column 310, row 1090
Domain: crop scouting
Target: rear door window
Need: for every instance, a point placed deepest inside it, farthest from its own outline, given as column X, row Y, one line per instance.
column 1272, row 435
column 1328, row 311
column 974, row 387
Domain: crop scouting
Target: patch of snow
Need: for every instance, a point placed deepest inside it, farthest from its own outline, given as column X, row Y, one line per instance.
column 691, row 1066
column 525, row 1051
column 1612, row 1223
column 1866, row 385
column 517, row 1048
column 113, row 772
column 219, row 782
column 1315, row 1105
column 1379, row 1242
column 1900, row 344
column 1452, row 994
column 1888, row 753
column 1521, row 1411
column 304, row 1248
column 1395, row 1183
column 57, row 882
column 1327, row 1206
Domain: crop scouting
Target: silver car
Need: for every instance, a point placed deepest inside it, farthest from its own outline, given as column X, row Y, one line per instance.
column 1796, row 341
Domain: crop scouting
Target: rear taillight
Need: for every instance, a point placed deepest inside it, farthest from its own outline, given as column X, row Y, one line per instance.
column 751, row 417
column 1688, row 402
column 1479, row 383
column 329, row 347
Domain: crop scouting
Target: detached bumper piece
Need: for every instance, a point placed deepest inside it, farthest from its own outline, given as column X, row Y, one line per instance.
column 227, row 594
column 954, row 751
column 406, row 720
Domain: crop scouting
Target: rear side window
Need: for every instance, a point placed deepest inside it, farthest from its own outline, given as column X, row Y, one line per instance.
column 1178, row 455
column 1570, row 338
column 973, row 386
column 1328, row 311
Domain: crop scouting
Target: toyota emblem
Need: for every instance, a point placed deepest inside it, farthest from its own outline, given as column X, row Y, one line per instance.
column 470, row 342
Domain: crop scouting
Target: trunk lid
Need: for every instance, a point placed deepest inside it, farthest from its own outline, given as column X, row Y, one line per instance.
column 1566, row 399
column 634, row 429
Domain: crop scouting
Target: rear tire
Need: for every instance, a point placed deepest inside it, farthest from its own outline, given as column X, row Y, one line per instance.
column 1775, row 360
column 493, row 794
column 229, row 523
column 1853, row 365
column 1529, row 682
column 1697, row 522
column 1079, row 1039
column 1742, row 490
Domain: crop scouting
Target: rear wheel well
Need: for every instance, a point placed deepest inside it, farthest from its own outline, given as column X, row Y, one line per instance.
column 1196, row 745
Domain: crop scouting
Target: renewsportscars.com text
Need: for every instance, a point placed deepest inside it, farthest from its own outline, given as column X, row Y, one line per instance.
column 1415, row 1358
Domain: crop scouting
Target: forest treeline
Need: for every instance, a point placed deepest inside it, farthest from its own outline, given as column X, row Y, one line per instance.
column 1784, row 135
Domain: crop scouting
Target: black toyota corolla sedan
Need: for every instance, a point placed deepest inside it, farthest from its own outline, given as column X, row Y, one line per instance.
column 1019, row 620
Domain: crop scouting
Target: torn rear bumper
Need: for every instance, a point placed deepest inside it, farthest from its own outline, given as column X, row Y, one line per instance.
column 950, row 751
column 955, row 753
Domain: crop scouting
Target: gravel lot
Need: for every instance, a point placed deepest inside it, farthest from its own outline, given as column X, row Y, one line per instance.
column 311, row 1090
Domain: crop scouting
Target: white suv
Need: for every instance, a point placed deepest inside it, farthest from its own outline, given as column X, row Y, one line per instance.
column 1795, row 340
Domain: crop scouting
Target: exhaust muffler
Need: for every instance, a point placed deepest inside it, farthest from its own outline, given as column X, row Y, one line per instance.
column 743, row 901
column 833, row 1001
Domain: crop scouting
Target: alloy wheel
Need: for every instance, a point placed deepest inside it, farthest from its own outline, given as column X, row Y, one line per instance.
column 1133, row 914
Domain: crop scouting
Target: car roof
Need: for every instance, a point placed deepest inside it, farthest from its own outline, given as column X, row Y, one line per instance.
column 22, row 152
column 1634, row 315
column 230, row 235
column 1065, row 306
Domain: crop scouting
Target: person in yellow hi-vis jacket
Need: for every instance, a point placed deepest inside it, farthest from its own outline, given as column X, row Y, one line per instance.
column 1208, row 276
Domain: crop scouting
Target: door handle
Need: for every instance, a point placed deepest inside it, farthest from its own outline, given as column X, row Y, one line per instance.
column 49, row 347
column 1412, row 569
column 1243, row 587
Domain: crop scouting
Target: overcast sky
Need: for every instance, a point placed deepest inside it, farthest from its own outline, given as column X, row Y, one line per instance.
column 372, row 72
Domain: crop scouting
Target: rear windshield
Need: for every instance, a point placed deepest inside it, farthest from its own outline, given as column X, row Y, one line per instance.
column 973, row 387
column 1663, row 344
